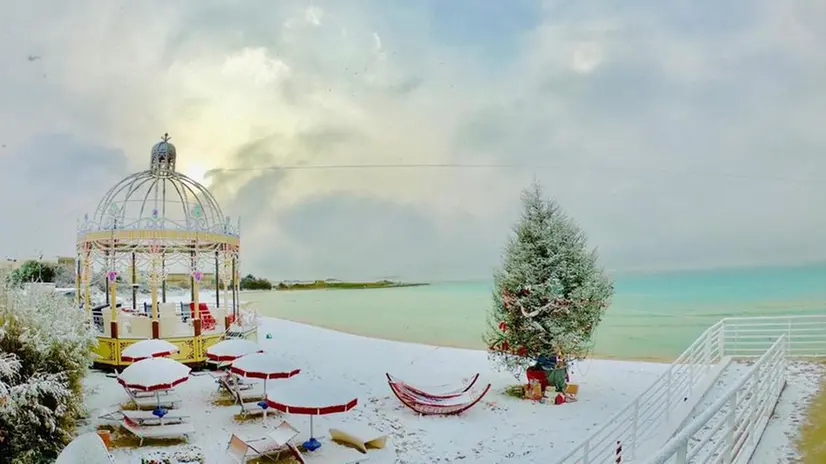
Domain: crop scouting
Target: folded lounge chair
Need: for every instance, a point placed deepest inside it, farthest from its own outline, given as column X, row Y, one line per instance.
column 230, row 383
column 278, row 441
column 179, row 430
column 437, row 391
column 437, row 406
column 359, row 436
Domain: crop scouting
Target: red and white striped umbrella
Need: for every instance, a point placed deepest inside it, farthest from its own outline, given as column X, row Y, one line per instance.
column 154, row 374
column 232, row 349
column 262, row 366
column 153, row 348
column 312, row 398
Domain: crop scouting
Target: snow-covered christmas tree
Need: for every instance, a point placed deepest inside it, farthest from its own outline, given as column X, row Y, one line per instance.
column 550, row 293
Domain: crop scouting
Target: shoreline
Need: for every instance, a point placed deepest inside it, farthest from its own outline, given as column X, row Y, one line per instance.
column 647, row 359
column 323, row 285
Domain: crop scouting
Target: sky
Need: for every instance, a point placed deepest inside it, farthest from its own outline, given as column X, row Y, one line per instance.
column 677, row 134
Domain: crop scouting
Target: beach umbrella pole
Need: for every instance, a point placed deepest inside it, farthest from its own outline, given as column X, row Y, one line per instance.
column 263, row 403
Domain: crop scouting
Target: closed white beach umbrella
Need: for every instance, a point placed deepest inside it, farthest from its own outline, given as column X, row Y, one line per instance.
column 144, row 349
column 232, row 349
column 154, row 374
column 88, row 449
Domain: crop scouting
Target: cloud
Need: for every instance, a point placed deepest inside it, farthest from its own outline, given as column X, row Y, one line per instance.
column 45, row 193
column 676, row 135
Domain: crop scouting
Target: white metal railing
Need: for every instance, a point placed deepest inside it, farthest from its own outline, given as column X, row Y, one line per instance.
column 742, row 337
column 728, row 431
column 646, row 414
column 752, row 336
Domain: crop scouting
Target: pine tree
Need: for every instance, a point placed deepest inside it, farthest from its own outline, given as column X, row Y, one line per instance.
column 550, row 293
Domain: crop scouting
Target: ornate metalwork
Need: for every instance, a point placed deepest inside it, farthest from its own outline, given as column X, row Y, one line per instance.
column 166, row 219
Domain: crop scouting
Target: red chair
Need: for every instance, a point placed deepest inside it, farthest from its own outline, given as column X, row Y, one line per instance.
column 207, row 321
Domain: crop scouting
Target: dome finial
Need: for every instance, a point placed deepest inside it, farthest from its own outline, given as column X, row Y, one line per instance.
column 163, row 155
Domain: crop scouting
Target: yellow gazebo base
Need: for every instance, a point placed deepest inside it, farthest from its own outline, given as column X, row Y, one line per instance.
column 192, row 349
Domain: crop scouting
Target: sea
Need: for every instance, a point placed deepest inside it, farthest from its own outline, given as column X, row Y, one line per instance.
column 652, row 316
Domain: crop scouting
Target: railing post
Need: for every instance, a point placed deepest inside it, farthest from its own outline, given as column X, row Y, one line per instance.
column 789, row 336
column 721, row 339
column 732, row 426
column 634, row 425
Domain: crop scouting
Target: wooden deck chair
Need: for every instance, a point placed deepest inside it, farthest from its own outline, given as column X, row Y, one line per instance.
column 359, row 436
column 437, row 406
column 276, row 442
column 179, row 430
column 437, row 391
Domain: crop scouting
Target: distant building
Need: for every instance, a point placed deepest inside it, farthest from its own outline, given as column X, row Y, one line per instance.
column 182, row 279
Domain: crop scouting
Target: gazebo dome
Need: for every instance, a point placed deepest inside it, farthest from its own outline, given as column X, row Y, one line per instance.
column 160, row 198
column 163, row 155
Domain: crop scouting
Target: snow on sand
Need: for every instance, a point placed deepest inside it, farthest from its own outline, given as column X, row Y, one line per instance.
column 500, row 429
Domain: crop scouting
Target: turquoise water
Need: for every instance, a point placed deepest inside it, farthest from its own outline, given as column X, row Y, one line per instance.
column 652, row 316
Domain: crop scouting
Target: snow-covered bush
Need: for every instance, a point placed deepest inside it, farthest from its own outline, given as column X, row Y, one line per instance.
column 45, row 350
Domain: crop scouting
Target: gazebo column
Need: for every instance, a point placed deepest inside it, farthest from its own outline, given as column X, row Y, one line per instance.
column 87, row 291
column 112, row 277
column 156, row 326
column 134, row 283
column 196, row 321
column 217, row 287
column 234, row 286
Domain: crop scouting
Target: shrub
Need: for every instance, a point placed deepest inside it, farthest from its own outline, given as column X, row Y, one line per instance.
column 45, row 351
column 250, row 282
column 34, row 271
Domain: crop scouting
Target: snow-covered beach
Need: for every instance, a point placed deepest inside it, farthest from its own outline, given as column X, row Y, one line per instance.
column 500, row 429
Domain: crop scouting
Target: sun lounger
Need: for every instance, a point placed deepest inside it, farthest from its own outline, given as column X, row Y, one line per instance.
column 147, row 418
column 150, row 402
column 437, row 406
column 248, row 408
column 142, row 417
column 329, row 453
column 276, row 442
column 179, row 430
column 437, row 391
column 360, row 436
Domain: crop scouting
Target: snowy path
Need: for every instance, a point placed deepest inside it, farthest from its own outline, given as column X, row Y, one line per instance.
column 729, row 377
column 778, row 442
